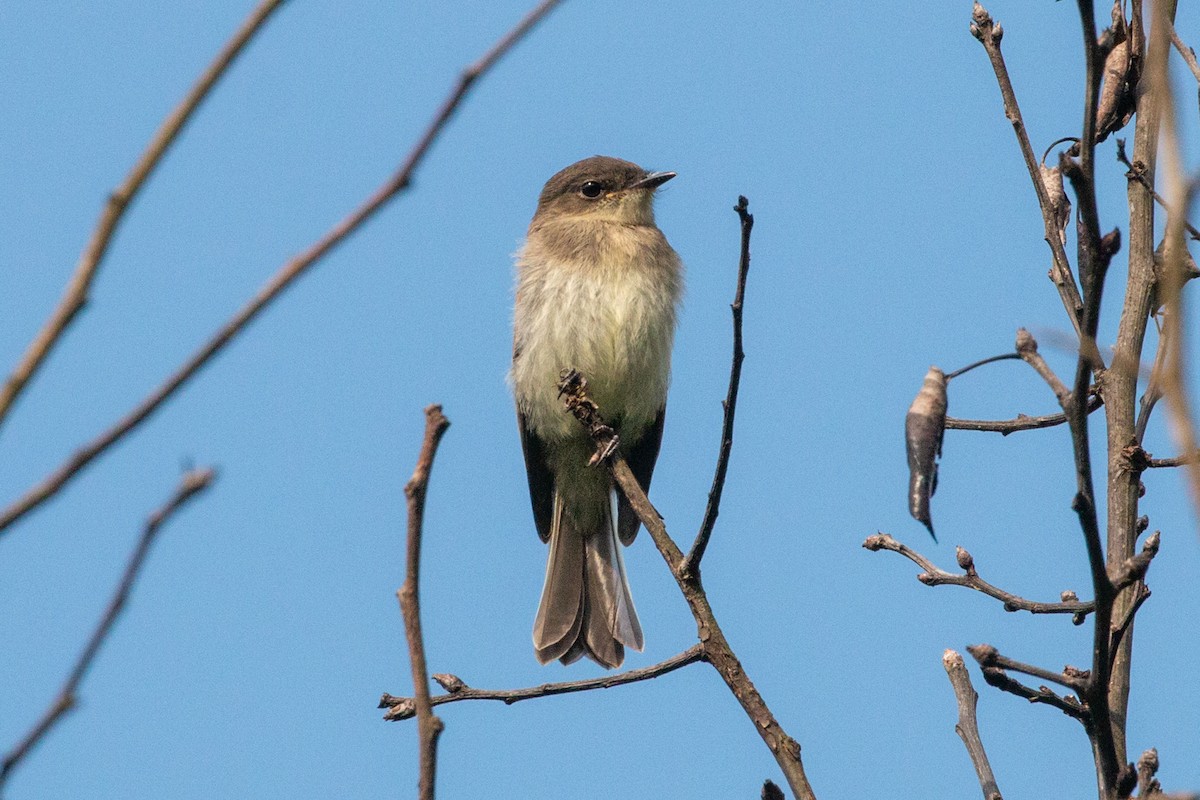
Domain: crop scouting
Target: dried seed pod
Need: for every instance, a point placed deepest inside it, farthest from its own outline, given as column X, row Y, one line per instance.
column 924, row 427
column 1118, row 93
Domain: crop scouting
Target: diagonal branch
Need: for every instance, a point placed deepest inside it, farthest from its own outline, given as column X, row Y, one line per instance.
column 1071, row 678
column 429, row 727
column 967, row 726
column 717, row 650
column 989, row 34
column 935, row 576
column 692, row 564
column 191, row 484
column 75, row 296
column 400, row 708
column 286, row 275
column 997, row 677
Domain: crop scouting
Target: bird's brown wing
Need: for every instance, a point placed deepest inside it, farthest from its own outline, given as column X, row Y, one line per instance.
column 541, row 480
column 640, row 457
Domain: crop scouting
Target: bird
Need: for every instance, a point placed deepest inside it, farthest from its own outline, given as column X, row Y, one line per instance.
column 598, row 290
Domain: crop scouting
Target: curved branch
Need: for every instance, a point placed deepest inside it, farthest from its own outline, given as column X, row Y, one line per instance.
column 76, row 295
column 935, row 576
column 400, row 708
column 1020, row 423
column 288, row 273
column 989, row 35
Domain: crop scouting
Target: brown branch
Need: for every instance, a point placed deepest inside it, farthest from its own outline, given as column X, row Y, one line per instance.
column 400, row 708
column 1187, row 53
column 1174, row 461
column 967, row 726
column 1119, row 628
column 1020, row 423
column 692, row 564
column 997, row 677
column 1027, row 349
column 1137, row 172
column 288, row 273
column 191, row 484
column 981, row 362
column 989, row 35
column 717, row 650
column 1070, row 678
column 1094, row 253
column 935, row 576
column 429, row 727
column 75, row 296
column 1120, row 381
column 1153, row 392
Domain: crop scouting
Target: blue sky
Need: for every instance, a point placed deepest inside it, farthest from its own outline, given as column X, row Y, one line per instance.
column 896, row 227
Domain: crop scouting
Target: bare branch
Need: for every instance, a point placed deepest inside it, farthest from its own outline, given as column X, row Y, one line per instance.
column 1027, row 349
column 75, row 296
column 1174, row 461
column 1137, row 172
column 718, row 652
column 967, row 727
column 1153, row 392
column 981, row 362
column 400, row 708
column 989, row 34
column 288, row 273
column 429, row 727
column 692, row 564
column 1020, row 423
column 1120, row 381
column 191, row 484
column 997, row 677
column 935, row 576
column 1071, row 678
column 1187, row 53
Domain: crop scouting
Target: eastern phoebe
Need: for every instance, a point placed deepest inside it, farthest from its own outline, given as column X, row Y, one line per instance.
column 597, row 289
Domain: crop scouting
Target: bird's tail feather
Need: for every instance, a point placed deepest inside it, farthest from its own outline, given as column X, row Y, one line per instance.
column 586, row 607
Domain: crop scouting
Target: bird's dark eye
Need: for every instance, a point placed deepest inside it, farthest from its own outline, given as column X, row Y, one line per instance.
column 592, row 189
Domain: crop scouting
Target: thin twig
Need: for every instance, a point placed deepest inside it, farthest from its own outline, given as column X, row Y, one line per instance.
column 1174, row 461
column 400, row 708
column 692, row 563
column 989, row 35
column 935, row 576
column 967, row 726
column 1120, row 382
column 191, row 484
column 718, row 652
column 981, row 362
column 1187, row 53
column 1020, row 423
column 288, row 273
column 75, row 296
column 1070, row 678
column 429, row 727
column 997, row 677
column 1153, row 392
column 1027, row 350
column 1141, row 594
column 1138, row 173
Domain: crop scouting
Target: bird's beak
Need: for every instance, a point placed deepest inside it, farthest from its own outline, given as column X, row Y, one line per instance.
column 653, row 180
